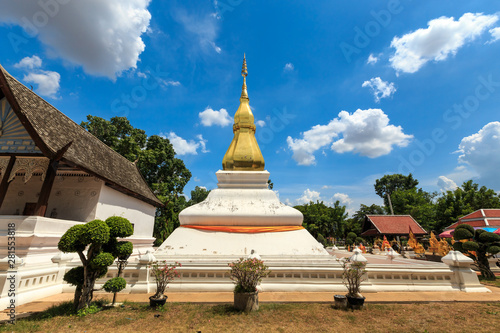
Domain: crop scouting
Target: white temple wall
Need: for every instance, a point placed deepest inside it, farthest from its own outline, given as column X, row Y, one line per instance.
column 19, row 193
column 74, row 197
column 139, row 213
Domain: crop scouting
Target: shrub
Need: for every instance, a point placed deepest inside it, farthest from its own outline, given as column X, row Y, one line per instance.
column 163, row 274
column 321, row 239
column 119, row 227
column 479, row 245
column 248, row 273
column 115, row 285
column 101, row 250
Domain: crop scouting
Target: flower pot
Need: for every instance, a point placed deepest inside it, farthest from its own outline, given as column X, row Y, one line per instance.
column 155, row 302
column 340, row 301
column 355, row 302
column 246, row 301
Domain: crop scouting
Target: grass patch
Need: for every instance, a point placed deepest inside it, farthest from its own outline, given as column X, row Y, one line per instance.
column 491, row 283
column 272, row 317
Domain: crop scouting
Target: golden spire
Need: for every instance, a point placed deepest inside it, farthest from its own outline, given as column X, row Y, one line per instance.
column 244, row 73
column 243, row 153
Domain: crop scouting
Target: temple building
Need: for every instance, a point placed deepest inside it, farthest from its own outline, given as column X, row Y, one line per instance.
column 486, row 219
column 390, row 225
column 53, row 175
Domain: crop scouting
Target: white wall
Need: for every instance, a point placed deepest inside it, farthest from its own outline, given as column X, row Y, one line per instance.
column 74, row 197
column 19, row 194
column 139, row 213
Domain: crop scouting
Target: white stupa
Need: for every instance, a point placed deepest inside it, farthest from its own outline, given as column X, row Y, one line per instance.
column 242, row 214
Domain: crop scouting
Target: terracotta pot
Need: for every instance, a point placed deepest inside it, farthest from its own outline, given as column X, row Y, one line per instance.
column 355, row 302
column 155, row 302
column 340, row 301
column 246, row 301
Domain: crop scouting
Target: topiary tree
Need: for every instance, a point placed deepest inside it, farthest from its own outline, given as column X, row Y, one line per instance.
column 359, row 240
column 479, row 245
column 321, row 239
column 98, row 238
column 351, row 238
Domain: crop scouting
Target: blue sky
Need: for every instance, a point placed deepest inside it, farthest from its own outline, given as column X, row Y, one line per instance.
column 343, row 92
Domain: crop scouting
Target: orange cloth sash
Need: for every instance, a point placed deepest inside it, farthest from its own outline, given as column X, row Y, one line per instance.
column 243, row 229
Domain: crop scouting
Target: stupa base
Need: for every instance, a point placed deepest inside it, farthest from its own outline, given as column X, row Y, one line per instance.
column 201, row 243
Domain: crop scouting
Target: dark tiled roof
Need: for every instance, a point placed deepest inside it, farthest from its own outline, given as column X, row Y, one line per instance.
column 392, row 225
column 52, row 130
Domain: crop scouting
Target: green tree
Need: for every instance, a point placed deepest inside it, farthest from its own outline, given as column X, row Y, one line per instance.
column 100, row 240
column 417, row 203
column 198, row 195
column 320, row 219
column 480, row 246
column 155, row 159
column 388, row 184
column 452, row 205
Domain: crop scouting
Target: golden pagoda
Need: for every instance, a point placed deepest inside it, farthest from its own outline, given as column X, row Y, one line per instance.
column 244, row 153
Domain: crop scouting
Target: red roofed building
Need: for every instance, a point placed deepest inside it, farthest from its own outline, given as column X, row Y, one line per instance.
column 480, row 218
column 391, row 225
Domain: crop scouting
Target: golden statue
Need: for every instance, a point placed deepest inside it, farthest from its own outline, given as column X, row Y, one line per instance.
column 419, row 249
column 243, row 153
column 443, row 247
column 433, row 243
column 412, row 242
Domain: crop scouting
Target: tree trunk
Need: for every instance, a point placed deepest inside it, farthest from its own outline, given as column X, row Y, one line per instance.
column 484, row 267
column 87, row 289
column 78, row 295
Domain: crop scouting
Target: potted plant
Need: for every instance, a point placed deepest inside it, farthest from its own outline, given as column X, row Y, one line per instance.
column 247, row 274
column 352, row 278
column 163, row 274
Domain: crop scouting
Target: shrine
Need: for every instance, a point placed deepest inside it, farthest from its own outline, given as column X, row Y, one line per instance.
column 53, row 175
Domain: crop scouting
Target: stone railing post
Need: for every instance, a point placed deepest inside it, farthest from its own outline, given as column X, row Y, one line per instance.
column 465, row 278
column 143, row 285
column 62, row 260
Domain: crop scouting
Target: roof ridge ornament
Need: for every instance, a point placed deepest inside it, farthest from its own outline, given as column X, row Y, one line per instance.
column 243, row 153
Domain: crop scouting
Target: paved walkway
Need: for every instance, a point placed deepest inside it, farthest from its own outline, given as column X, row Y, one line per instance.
column 272, row 297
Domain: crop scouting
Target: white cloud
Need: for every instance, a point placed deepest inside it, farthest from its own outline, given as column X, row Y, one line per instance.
column 104, row 37
column 366, row 132
column 343, row 198
column 29, row 62
column 184, row 147
column 203, row 28
column 308, row 196
column 372, row 59
column 381, row 89
column 47, row 81
column 203, row 143
column 481, row 151
column 171, row 83
column 288, row 67
column 446, row 184
column 495, row 34
column 442, row 37
column 211, row 117
column 260, row 123
column 325, row 187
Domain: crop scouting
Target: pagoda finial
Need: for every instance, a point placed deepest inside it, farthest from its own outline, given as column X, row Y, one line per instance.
column 244, row 73
column 243, row 153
